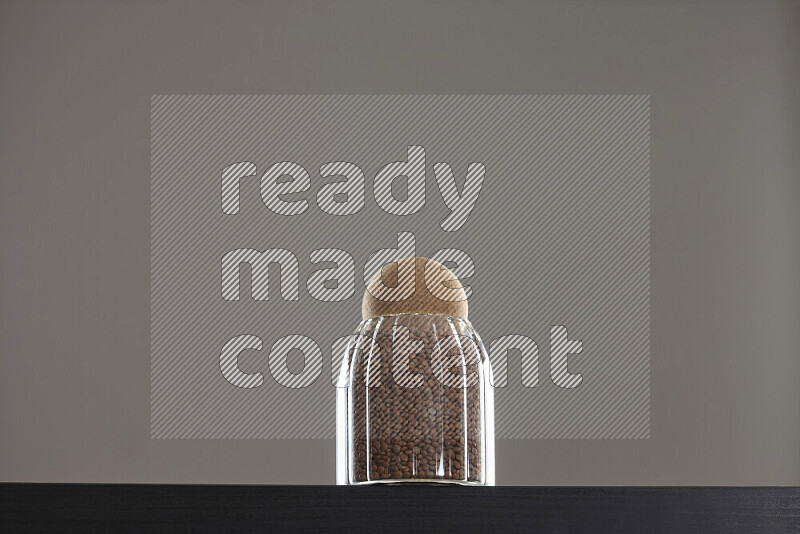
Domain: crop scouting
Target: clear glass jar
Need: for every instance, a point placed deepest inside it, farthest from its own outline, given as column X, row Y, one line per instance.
column 417, row 406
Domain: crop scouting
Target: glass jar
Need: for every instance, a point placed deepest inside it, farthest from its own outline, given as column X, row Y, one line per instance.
column 417, row 406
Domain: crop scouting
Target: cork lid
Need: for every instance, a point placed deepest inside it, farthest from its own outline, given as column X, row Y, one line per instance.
column 414, row 285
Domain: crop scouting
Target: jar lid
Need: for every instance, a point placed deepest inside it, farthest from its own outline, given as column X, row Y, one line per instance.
column 414, row 285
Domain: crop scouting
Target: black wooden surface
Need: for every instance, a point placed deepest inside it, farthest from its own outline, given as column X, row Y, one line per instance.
column 174, row 508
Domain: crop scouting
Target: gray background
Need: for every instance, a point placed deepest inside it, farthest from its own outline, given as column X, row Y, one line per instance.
column 74, row 210
column 560, row 235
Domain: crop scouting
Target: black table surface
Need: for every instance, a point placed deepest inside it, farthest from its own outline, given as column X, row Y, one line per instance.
column 183, row 508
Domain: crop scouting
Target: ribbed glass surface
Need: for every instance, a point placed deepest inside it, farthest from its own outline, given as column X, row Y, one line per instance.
column 417, row 406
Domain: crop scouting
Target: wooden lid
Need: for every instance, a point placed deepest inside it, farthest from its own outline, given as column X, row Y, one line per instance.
column 414, row 285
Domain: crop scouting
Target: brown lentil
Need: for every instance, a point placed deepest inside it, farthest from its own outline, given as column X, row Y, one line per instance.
column 433, row 432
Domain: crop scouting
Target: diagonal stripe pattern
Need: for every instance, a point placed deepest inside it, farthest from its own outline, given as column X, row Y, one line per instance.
column 559, row 236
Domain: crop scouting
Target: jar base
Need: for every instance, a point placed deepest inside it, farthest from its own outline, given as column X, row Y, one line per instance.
column 419, row 482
